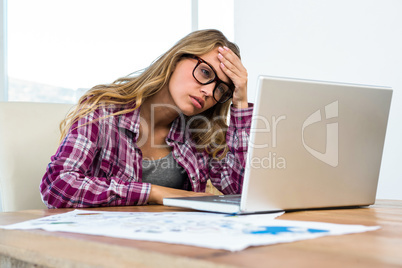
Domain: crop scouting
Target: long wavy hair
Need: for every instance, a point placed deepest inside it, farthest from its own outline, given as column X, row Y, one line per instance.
column 130, row 92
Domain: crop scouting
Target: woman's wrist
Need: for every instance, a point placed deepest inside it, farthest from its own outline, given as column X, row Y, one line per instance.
column 240, row 104
column 154, row 194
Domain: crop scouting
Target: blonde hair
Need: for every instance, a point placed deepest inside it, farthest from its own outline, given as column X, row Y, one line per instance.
column 132, row 91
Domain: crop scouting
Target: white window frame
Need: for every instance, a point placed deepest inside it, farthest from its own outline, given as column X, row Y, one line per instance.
column 194, row 15
column 3, row 51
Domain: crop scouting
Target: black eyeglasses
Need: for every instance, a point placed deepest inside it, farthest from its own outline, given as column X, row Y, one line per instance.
column 205, row 74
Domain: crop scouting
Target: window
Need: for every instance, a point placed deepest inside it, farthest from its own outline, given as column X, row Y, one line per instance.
column 59, row 49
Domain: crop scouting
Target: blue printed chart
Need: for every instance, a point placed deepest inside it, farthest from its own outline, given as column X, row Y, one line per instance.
column 200, row 229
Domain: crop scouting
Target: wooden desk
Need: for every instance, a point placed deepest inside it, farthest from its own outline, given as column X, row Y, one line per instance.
column 381, row 248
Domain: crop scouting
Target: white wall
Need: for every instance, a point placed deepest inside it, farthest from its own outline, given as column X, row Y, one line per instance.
column 354, row 41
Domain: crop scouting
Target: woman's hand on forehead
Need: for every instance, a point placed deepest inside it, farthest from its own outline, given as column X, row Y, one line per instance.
column 232, row 66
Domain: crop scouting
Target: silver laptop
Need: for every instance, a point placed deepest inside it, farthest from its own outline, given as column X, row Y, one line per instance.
column 312, row 144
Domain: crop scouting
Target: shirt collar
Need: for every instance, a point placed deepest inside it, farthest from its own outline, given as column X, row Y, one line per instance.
column 177, row 130
column 131, row 122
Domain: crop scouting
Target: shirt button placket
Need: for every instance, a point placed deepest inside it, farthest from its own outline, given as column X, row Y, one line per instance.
column 195, row 187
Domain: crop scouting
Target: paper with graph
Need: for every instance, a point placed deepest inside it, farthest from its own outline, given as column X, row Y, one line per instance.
column 218, row 231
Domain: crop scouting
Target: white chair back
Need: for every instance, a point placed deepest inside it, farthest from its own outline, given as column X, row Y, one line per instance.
column 29, row 136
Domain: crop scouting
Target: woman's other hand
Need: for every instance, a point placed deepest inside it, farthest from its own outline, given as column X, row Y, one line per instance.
column 159, row 192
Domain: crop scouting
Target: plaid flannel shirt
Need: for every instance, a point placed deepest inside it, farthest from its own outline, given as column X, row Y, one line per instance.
column 99, row 164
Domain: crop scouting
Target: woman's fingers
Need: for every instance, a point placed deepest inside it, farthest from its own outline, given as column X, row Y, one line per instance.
column 232, row 66
column 231, row 63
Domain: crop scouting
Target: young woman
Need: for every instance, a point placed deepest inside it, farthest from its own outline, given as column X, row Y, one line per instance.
column 160, row 134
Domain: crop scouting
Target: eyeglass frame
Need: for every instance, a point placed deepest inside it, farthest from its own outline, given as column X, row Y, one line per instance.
column 216, row 79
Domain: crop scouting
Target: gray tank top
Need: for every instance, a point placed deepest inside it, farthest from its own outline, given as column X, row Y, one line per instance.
column 164, row 172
